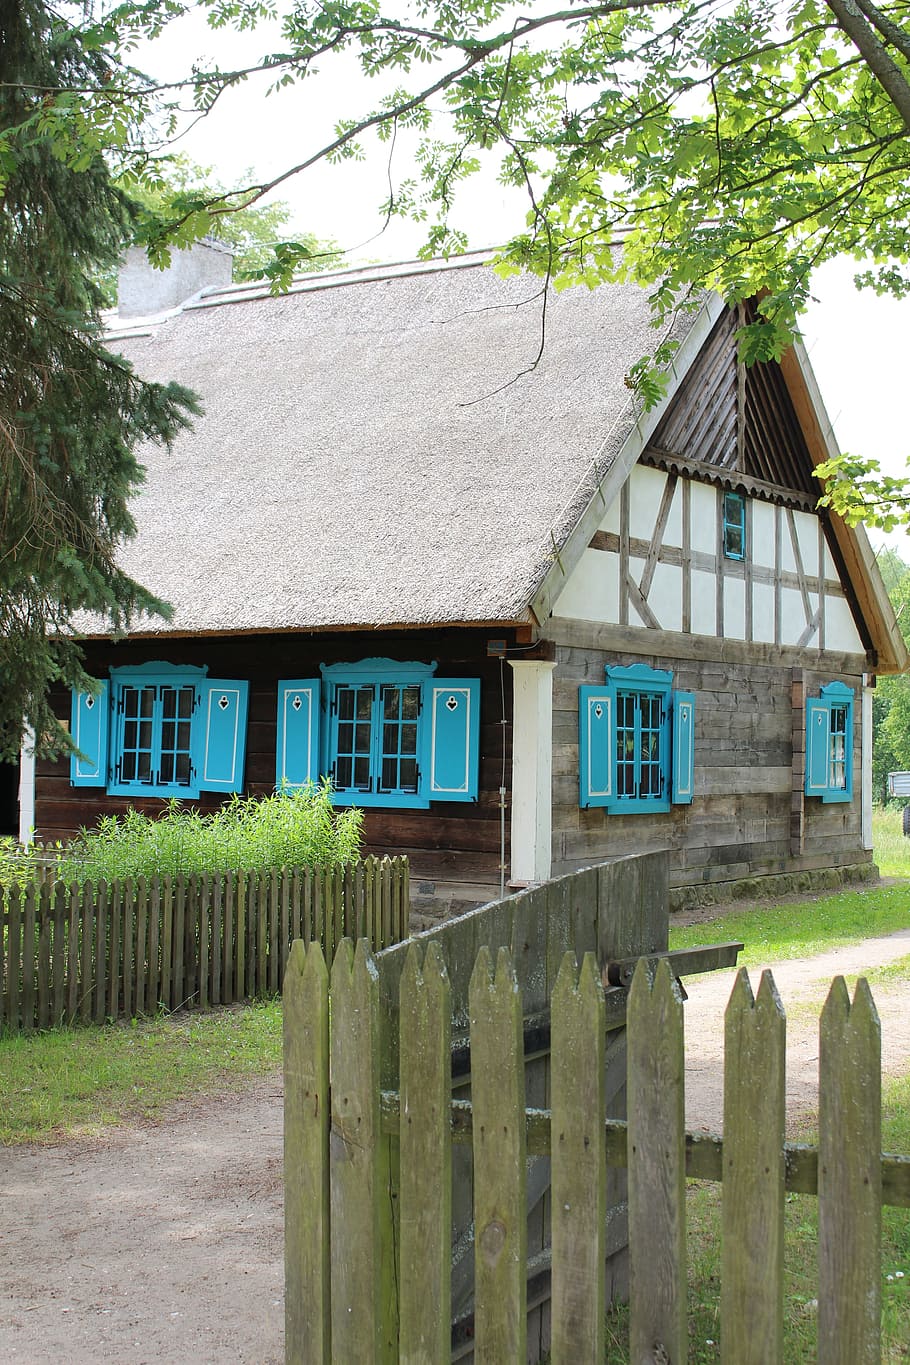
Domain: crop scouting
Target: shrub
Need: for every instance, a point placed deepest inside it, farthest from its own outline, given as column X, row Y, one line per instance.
column 298, row 828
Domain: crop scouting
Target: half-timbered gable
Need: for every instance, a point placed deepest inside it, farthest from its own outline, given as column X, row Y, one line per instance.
column 521, row 622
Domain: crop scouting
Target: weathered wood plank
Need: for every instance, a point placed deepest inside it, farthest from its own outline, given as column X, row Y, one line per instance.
column 752, row 1274
column 355, row 1157
column 656, row 1136
column 100, row 950
column 307, row 1113
column 500, row 1217
column 29, row 954
column 849, row 1179
column 426, row 1157
column 578, row 1104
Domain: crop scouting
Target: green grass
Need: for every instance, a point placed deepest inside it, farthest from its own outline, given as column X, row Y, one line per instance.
column 892, row 850
column 76, row 1081
column 773, row 932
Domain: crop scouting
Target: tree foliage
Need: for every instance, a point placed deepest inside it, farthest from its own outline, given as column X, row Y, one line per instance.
column 71, row 413
column 891, row 702
column 173, row 190
column 733, row 144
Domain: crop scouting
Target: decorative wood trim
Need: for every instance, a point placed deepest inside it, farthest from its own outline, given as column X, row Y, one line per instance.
column 687, row 557
column 663, row 516
column 622, row 465
column 609, row 542
column 800, row 569
column 719, row 566
column 634, row 595
column 821, row 584
column 811, row 627
column 778, row 574
column 670, row 644
column 624, row 501
column 740, row 397
column 657, row 457
column 749, row 569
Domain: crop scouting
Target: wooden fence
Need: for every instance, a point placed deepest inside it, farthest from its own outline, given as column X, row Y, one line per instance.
column 368, row 1168
column 86, row 953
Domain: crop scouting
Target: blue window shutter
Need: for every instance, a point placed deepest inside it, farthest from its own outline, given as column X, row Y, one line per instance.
column 818, row 725
column 452, row 711
column 222, row 734
column 89, row 722
column 596, row 744
column 683, row 748
column 297, row 743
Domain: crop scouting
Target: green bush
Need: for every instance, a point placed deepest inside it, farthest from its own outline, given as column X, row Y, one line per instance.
column 298, row 828
column 18, row 862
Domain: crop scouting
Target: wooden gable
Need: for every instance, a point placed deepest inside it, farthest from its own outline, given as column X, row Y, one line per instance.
column 737, row 418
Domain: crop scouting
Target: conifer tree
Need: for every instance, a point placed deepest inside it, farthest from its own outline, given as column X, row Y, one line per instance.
column 71, row 413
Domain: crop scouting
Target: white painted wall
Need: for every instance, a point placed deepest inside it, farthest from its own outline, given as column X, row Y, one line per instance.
column 592, row 591
column 867, row 762
column 27, row 790
column 532, row 769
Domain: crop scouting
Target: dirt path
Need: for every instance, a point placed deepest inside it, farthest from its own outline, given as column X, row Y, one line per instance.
column 163, row 1243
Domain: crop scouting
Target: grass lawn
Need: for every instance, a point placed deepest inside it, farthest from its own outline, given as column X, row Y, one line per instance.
column 75, row 1081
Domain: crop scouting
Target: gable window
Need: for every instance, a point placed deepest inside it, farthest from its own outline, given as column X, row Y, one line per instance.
column 734, row 526
column 386, row 733
column 160, row 730
column 636, row 742
column 829, row 743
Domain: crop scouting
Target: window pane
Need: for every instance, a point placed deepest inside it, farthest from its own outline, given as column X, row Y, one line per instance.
column 353, row 738
column 176, row 703
column 138, row 732
column 400, row 707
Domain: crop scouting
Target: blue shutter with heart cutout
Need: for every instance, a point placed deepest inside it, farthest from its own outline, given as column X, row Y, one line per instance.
column 452, row 709
column 221, row 720
column 89, row 726
column 596, row 719
column 297, row 741
column 683, row 748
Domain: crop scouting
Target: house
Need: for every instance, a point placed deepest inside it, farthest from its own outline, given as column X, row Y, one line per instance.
column 525, row 625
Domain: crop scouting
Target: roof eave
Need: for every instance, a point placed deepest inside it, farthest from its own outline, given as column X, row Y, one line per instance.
column 567, row 556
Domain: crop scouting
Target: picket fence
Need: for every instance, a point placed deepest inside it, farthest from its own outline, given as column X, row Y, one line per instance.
column 369, row 1170
column 90, row 952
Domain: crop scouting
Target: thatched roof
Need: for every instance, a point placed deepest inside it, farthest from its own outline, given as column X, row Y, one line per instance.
column 355, row 464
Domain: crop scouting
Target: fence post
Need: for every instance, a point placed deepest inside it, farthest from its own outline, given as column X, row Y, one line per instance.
column 500, row 1208
column 356, row 1164
column 307, row 1310
column 426, row 1157
column 656, row 1145
column 752, row 1274
column 849, row 1178
column 578, row 1163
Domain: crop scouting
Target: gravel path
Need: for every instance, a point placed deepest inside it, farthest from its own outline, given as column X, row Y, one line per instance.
column 163, row 1243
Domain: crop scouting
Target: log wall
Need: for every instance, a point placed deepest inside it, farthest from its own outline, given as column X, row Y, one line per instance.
column 749, row 817
column 454, row 848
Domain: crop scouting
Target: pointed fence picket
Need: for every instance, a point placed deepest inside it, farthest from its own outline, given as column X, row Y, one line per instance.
column 86, row 953
column 354, row 1216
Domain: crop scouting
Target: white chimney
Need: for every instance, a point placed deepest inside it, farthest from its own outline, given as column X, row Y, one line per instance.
column 143, row 291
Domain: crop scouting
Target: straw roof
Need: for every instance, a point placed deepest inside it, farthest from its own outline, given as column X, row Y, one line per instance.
column 372, row 451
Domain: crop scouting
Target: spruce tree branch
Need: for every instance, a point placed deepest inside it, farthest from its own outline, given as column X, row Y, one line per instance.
column 879, row 61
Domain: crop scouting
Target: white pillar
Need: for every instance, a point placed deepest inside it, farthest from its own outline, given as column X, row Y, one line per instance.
column 27, row 789
column 866, row 740
column 532, row 769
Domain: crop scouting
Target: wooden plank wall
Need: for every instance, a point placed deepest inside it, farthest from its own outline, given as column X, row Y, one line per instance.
column 453, row 847
column 746, row 786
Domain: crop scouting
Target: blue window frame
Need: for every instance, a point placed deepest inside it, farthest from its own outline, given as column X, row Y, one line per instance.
column 386, row 733
column 161, row 730
column 829, row 743
column 636, row 742
column 734, row 526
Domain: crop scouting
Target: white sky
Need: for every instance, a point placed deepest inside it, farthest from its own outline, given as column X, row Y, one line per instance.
column 857, row 342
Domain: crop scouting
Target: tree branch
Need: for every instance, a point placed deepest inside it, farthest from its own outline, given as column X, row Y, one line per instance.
column 883, row 67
